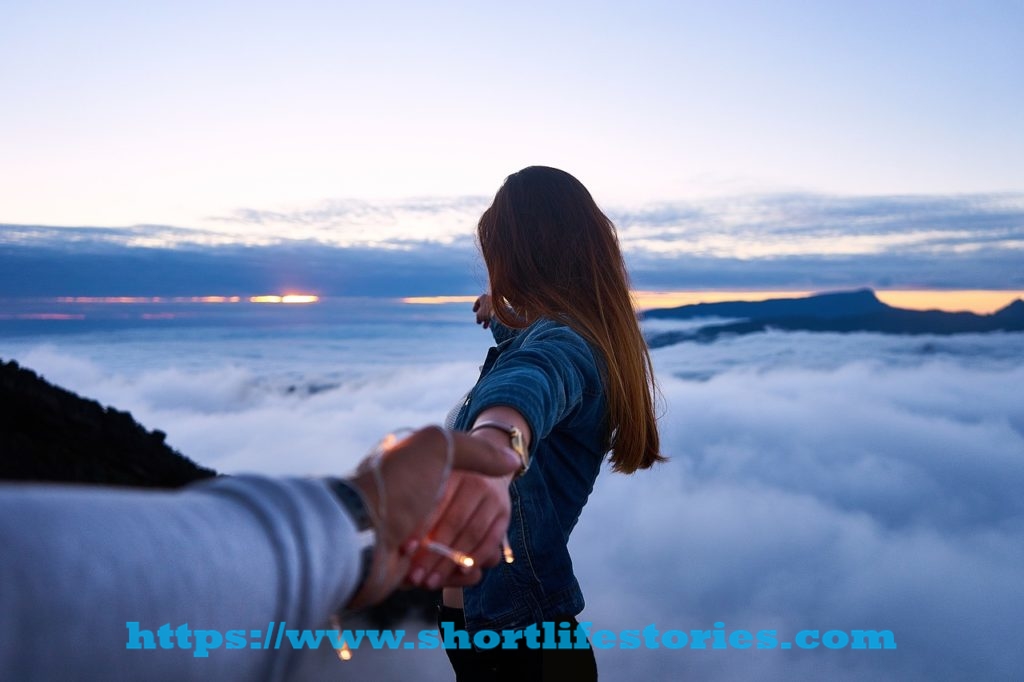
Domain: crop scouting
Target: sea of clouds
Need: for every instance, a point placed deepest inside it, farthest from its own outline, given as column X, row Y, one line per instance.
column 816, row 482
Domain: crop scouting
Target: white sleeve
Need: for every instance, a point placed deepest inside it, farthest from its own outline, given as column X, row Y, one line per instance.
column 77, row 564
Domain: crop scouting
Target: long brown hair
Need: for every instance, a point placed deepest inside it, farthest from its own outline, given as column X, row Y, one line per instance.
column 551, row 252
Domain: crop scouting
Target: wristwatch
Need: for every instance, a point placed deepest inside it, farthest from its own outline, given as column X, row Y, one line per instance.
column 515, row 437
column 352, row 502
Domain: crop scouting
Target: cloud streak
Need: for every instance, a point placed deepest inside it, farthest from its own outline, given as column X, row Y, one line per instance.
column 426, row 246
column 806, row 224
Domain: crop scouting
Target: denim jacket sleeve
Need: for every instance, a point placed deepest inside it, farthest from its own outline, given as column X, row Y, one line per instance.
column 551, row 376
column 543, row 375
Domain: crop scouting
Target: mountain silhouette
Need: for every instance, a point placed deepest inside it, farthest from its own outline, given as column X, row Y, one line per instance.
column 825, row 306
column 850, row 311
column 1014, row 311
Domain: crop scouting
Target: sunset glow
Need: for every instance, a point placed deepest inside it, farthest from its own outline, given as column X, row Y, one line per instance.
column 111, row 299
column 148, row 299
column 137, row 300
column 978, row 301
column 288, row 298
column 645, row 300
column 438, row 300
column 981, row 302
column 41, row 316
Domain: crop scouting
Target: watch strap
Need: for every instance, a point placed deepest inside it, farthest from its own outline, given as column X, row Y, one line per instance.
column 352, row 501
column 516, row 441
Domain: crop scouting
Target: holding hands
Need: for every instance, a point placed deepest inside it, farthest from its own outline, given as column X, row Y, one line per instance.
column 475, row 510
column 434, row 486
column 440, row 501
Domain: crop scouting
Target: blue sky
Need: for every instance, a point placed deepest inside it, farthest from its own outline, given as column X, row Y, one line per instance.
column 380, row 125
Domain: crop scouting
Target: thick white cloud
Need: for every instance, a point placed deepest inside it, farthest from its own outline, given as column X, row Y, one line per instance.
column 817, row 482
column 863, row 497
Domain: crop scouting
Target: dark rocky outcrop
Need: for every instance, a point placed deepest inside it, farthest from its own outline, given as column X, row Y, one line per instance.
column 50, row 434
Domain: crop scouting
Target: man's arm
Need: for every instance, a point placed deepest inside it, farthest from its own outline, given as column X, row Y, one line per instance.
column 242, row 554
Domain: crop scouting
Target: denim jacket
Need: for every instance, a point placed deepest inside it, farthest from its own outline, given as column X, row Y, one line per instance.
column 550, row 375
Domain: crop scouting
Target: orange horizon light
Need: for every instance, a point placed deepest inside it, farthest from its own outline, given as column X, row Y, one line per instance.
column 978, row 301
column 142, row 300
column 42, row 316
column 438, row 300
column 287, row 298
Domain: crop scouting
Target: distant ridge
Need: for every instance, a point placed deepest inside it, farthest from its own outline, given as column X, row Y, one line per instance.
column 849, row 311
column 1014, row 311
column 827, row 306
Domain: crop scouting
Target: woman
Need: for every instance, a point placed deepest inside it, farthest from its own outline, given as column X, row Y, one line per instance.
column 571, row 377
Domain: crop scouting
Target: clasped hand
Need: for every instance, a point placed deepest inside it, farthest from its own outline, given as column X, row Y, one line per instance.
column 468, row 510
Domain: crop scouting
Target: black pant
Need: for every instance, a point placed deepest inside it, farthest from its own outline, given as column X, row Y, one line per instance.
column 522, row 664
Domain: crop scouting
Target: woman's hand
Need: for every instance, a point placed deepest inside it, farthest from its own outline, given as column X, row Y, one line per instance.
column 465, row 521
column 412, row 476
column 470, row 522
column 484, row 310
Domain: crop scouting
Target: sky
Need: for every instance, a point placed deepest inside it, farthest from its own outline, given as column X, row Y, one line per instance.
column 157, row 113
column 737, row 144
